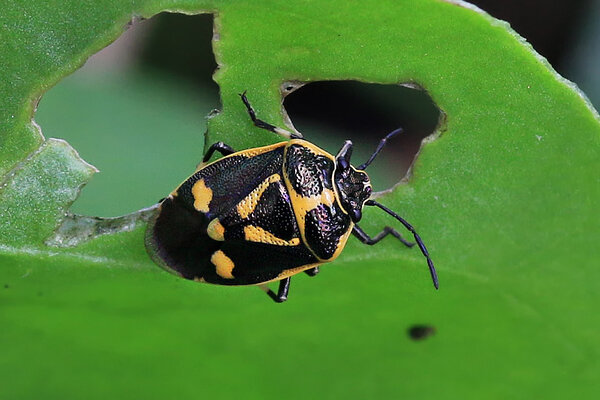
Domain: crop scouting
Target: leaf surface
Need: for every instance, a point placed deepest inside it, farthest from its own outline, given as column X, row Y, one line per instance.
column 506, row 199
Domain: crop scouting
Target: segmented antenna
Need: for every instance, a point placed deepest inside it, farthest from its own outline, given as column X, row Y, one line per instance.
column 415, row 234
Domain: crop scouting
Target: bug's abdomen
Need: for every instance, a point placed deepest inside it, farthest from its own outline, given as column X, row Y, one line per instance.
column 179, row 240
column 324, row 226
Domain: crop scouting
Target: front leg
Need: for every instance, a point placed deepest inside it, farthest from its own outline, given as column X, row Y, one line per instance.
column 220, row 147
column 366, row 239
column 265, row 125
column 312, row 272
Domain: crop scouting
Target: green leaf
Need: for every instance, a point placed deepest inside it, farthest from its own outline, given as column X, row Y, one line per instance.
column 38, row 193
column 506, row 198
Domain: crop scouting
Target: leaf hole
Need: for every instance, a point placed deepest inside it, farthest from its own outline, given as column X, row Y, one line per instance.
column 329, row 112
column 137, row 111
column 420, row 331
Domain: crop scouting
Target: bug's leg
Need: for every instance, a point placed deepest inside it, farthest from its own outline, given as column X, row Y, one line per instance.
column 220, row 147
column 420, row 243
column 312, row 272
column 380, row 147
column 366, row 239
column 265, row 125
column 282, row 292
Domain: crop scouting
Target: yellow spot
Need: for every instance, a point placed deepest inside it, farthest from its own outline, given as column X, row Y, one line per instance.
column 215, row 230
column 202, row 196
column 248, row 204
column 224, row 265
column 305, row 204
column 259, row 235
column 201, row 280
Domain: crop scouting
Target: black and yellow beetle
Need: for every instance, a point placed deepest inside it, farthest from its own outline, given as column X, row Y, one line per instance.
column 267, row 213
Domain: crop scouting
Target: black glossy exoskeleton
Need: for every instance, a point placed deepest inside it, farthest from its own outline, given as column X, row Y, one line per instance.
column 266, row 213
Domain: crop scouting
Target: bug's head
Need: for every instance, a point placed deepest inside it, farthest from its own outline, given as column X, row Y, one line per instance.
column 353, row 185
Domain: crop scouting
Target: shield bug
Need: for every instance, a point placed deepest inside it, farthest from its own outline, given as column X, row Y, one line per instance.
column 264, row 214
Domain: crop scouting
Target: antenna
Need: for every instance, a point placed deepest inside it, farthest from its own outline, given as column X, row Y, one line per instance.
column 380, row 147
column 412, row 230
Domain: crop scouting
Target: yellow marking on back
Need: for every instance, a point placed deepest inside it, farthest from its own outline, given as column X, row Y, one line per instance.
column 223, row 264
column 257, row 234
column 202, row 196
column 216, row 230
column 305, row 204
column 260, row 150
column 248, row 204
column 302, row 205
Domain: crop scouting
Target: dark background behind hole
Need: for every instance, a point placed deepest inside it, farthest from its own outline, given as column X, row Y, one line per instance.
column 328, row 113
column 550, row 26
